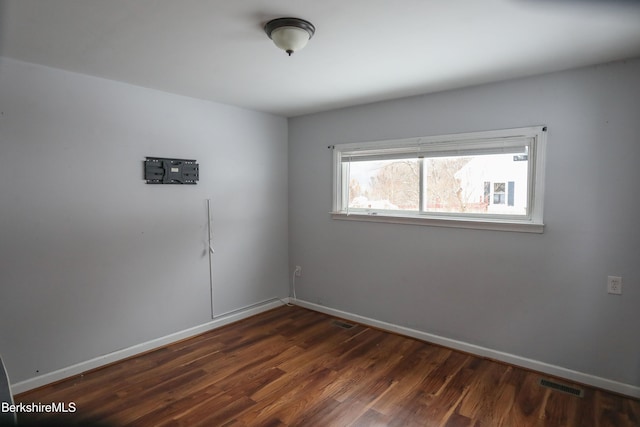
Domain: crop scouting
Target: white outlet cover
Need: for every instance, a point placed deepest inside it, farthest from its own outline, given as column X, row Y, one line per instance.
column 614, row 285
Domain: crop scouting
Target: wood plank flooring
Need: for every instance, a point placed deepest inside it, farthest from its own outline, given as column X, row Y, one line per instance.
column 294, row 367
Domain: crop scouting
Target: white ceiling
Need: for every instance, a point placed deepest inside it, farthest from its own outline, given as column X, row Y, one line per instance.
column 363, row 50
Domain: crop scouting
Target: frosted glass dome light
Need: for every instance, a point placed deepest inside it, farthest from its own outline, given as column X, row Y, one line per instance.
column 289, row 34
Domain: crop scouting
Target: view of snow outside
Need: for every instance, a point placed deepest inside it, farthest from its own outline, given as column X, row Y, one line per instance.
column 492, row 184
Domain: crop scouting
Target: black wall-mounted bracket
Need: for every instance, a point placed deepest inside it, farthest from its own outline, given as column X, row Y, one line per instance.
column 160, row 170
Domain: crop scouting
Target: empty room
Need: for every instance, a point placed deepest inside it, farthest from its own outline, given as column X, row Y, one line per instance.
column 336, row 213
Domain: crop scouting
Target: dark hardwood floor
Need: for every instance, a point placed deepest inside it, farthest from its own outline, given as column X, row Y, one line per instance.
column 295, row 367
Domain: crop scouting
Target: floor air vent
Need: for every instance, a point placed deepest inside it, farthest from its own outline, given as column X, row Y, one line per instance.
column 561, row 387
column 343, row 325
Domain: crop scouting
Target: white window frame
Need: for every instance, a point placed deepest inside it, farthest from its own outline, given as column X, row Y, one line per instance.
column 534, row 137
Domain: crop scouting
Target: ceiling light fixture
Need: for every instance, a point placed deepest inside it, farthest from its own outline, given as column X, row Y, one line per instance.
column 289, row 34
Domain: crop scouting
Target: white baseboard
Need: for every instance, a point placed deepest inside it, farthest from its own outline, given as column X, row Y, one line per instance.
column 580, row 377
column 106, row 359
column 535, row 365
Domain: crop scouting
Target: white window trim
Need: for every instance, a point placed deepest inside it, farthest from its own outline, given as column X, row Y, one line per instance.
column 532, row 223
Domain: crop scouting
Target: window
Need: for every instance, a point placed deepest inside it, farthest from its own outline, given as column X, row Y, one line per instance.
column 498, row 193
column 488, row 180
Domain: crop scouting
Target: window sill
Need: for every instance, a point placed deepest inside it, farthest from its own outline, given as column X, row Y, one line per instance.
column 473, row 223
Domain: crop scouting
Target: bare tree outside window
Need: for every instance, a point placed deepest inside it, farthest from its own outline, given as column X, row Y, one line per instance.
column 444, row 190
column 386, row 184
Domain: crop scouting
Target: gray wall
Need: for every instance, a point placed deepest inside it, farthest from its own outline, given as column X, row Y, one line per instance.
column 536, row 296
column 92, row 259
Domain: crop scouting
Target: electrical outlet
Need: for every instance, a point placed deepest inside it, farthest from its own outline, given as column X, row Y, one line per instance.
column 298, row 271
column 614, row 285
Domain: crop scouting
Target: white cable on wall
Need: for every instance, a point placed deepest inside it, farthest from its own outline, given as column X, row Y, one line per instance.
column 294, row 285
column 210, row 252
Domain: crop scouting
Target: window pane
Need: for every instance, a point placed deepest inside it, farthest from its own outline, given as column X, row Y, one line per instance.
column 498, row 193
column 384, row 184
column 476, row 184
